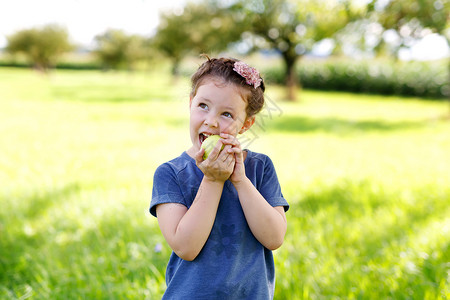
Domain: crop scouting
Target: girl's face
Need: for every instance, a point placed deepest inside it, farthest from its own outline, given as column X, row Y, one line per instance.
column 217, row 108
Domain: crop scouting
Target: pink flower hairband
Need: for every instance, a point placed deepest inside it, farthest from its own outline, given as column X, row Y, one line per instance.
column 250, row 74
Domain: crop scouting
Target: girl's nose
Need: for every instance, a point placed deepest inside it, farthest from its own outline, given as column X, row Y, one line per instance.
column 211, row 121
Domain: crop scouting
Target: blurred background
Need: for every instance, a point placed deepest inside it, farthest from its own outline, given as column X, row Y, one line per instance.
column 366, row 40
column 94, row 96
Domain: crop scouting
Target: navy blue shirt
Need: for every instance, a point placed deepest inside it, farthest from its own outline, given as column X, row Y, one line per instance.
column 233, row 264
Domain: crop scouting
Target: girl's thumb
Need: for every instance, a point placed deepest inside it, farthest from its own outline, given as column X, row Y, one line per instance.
column 199, row 156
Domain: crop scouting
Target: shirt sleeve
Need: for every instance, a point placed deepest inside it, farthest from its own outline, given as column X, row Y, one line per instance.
column 166, row 188
column 270, row 188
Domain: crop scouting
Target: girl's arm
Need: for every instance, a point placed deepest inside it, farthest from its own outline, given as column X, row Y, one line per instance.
column 186, row 230
column 268, row 224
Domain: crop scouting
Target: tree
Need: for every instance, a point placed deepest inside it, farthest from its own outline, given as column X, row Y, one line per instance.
column 199, row 27
column 413, row 19
column 41, row 46
column 292, row 27
column 172, row 38
column 116, row 49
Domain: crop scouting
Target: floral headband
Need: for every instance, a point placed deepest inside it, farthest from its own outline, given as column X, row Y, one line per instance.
column 250, row 74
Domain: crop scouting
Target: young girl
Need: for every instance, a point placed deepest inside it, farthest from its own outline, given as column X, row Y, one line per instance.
column 222, row 216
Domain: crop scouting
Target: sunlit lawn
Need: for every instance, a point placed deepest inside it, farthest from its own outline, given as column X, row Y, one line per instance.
column 367, row 178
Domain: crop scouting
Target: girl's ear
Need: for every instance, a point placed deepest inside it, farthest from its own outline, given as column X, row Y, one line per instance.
column 249, row 121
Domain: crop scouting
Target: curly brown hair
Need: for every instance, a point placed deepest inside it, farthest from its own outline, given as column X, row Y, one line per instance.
column 222, row 68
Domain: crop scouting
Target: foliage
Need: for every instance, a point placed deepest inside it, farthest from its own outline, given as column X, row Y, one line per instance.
column 172, row 39
column 292, row 27
column 116, row 49
column 199, row 28
column 41, row 46
column 72, row 61
column 69, row 65
column 419, row 79
column 410, row 17
column 367, row 180
column 411, row 20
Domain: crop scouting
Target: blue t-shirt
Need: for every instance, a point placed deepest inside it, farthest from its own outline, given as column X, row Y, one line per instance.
column 233, row 264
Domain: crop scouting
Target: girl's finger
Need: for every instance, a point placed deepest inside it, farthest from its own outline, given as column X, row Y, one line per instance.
column 235, row 150
column 199, row 155
column 229, row 160
column 224, row 135
column 215, row 152
column 229, row 139
column 224, row 150
column 224, row 154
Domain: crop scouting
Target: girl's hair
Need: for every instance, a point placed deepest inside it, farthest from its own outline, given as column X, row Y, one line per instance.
column 222, row 68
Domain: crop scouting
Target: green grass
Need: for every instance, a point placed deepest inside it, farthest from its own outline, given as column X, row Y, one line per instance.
column 367, row 178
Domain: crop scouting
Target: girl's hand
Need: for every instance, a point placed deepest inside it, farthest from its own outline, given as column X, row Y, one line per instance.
column 219, row 165
column 238, row 174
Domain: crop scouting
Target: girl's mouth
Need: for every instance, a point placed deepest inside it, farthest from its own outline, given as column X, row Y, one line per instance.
column 203, row 136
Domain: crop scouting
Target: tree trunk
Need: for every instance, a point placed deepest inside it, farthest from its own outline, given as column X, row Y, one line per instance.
column 175, row 68
column 447, row 115
column 448, row 73
column 448, row 96
column 291, row 77
column 40, row 67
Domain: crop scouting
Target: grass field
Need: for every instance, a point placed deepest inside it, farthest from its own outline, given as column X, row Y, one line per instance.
column 367, row 178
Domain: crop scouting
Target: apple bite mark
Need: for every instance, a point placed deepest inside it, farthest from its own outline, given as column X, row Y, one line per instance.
column 203, row 137
column 209, row 143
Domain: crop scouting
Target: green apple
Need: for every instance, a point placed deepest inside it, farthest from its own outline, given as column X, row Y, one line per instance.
column 209, row 143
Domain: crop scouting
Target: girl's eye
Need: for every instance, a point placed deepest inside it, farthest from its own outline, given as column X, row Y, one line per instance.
column 203, row 105
column 227, row 114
